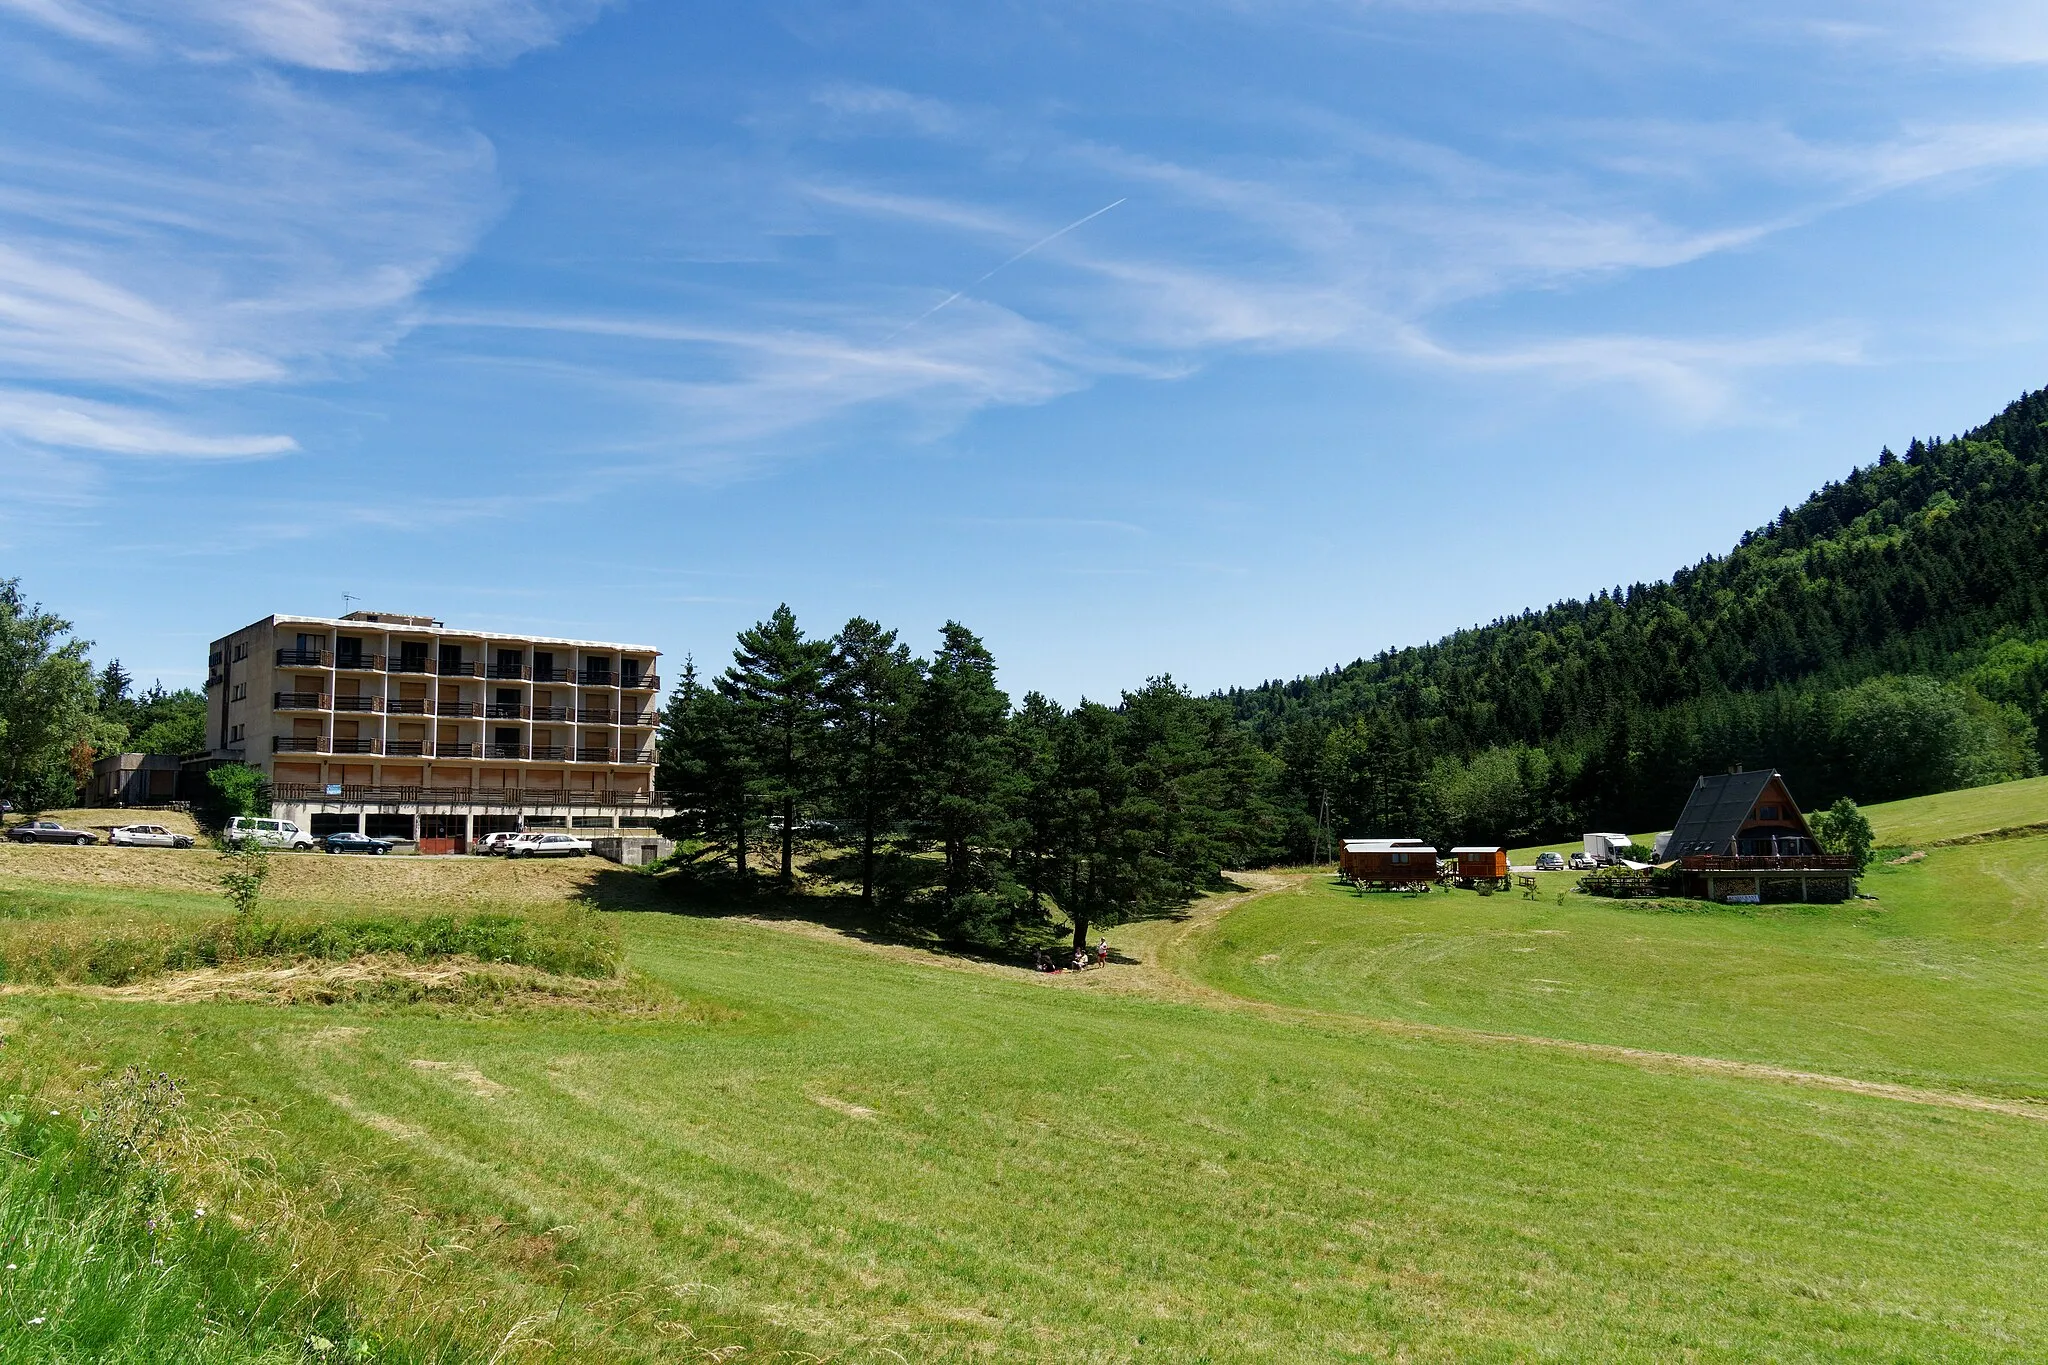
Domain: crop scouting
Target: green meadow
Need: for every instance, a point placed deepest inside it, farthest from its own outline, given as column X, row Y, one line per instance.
column 1318, row 1126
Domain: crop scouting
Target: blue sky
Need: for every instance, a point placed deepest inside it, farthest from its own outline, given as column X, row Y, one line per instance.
column 1223, row 339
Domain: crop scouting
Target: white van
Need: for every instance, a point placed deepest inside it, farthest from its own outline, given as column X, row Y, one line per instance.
column 269, row 833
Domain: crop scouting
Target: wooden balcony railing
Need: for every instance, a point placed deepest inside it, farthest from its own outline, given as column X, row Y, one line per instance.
column 300, row 701
column 304, row 658
column 1806, row 862
column 295, row 744
column 469, row 796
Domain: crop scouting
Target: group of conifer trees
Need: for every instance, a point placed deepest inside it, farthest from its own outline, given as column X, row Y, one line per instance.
column 959, row 814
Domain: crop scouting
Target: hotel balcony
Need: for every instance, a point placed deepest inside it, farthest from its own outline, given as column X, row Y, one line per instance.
column 359, row 663
column 405, row 748
column 549, row 753
column 459, row 670
column 300, row 701
column 408, row 706
column 354, row 746
column 406, row 665
column 550, row 713
column 550, row 675
column 636, row 756
column 517, row 671
column 458, row 708
column 452, row 748
column 596, row 717
column 304, row 658
column 504, row 751
column 642, row 719
column 296, row 744
column 500, row 710
column 593, row 755
column 355, row 703
column 597, row 677
column 646, row 682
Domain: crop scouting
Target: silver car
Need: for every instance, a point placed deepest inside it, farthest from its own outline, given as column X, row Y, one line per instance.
column 147, row 836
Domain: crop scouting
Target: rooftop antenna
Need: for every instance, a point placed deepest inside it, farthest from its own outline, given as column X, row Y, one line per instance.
column 347, row 598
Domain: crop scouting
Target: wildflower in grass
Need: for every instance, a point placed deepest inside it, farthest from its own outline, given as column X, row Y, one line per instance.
column 36, row 1321
column 199, row 1212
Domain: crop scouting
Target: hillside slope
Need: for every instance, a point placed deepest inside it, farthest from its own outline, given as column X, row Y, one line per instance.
column 1909, row 595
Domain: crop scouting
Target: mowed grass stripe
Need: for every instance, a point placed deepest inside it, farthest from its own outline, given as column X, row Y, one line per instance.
column 1063, row 1175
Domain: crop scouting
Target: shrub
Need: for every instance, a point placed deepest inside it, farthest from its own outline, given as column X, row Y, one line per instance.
column 1843, row 829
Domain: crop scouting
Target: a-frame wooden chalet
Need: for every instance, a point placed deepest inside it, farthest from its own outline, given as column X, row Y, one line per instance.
column 1741, row 835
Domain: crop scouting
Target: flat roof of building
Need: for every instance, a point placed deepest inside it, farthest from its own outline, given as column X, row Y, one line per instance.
column 344, row 624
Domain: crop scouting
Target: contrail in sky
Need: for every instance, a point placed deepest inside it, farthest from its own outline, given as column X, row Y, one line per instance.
column 963, row 293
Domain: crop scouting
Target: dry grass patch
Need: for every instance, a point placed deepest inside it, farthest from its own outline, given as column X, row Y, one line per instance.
column 320, row 879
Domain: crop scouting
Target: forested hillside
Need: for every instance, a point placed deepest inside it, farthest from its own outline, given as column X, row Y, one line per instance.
column 1883, row 639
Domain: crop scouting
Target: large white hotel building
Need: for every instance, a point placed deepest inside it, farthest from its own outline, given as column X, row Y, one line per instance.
column 401, row 727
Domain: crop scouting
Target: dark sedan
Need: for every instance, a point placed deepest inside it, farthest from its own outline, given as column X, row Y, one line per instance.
column 50, row 832
column 347, row 841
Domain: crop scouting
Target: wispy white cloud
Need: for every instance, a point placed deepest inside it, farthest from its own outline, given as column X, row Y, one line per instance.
column 51, row 419
column 324, row 35
column 207, row 225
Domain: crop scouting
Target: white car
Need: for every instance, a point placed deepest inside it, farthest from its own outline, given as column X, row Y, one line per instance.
column 269, row 833
column 147, row 836
column 535, row 845
column 495, row 841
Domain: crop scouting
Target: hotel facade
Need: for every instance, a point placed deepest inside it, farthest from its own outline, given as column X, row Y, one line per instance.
column 401, row 727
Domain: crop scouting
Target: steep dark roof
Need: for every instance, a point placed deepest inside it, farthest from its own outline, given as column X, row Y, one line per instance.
column 1716, row 812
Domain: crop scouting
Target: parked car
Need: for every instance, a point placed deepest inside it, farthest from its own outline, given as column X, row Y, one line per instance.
column 1583, row 862
column 1550, row 862
column 348, row 841
column 533, row 845
column 50, row 832
column 495, row 841
column 147, row 836
column 269, row 833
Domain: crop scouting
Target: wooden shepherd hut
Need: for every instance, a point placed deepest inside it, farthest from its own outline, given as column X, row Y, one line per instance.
column 1479, row 865
column 1388, row 864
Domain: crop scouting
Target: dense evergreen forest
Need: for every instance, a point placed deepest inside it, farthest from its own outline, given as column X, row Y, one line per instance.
column 1883, row 639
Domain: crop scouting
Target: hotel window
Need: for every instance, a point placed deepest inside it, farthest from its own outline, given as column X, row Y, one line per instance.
column 241, row 692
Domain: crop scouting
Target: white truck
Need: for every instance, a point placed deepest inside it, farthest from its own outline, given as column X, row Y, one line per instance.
column 1605, row 850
